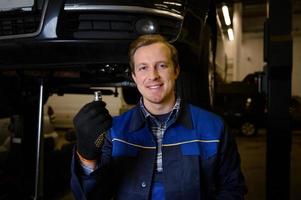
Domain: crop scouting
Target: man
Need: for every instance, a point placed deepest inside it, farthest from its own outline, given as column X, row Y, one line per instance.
column 163, row 148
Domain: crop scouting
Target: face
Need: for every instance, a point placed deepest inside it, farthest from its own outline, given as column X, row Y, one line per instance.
column 155, row 74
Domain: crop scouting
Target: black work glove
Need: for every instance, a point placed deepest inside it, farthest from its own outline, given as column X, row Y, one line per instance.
column 91, row 124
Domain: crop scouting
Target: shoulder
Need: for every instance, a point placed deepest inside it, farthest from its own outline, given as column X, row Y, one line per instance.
column 206, row 121
column 202, row 114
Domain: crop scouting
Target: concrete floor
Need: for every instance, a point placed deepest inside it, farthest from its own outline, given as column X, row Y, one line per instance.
column 253, row 156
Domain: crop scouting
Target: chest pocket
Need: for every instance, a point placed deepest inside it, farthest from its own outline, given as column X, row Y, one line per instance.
column 202, row 148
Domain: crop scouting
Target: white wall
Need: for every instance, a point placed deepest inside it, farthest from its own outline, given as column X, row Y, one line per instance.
column 251, row 59
column 251, row 55
column 296, row 76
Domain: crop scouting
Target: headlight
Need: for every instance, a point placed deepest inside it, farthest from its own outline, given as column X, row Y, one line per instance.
column 146, row 26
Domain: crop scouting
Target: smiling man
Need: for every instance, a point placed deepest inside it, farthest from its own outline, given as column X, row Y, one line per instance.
column 155, row 74
column 163, row 148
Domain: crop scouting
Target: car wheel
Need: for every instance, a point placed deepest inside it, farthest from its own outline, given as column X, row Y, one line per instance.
column 248, row 128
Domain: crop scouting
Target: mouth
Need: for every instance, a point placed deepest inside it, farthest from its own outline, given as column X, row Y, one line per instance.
column 154, row 86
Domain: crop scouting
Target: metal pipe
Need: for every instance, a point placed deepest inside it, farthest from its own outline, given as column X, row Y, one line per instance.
column 39, row 133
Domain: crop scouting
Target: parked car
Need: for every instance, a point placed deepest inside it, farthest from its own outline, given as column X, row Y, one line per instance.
column 73, row 46
column 242, row 106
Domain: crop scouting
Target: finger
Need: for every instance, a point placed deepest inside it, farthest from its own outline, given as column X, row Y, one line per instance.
column 106, row 125
column 100, row 118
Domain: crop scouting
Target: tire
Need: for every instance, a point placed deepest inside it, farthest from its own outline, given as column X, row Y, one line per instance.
column 248, row 128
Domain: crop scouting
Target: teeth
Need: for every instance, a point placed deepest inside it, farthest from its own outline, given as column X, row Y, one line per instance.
column 154, row 87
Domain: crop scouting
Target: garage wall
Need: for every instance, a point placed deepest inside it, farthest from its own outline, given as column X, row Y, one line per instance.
column 251, row 59
column 251, row 55
column 296, row 76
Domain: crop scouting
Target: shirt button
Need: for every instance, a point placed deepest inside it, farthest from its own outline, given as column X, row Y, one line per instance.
column 143, row 184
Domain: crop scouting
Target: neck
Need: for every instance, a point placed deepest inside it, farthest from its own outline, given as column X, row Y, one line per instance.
column 160, row 108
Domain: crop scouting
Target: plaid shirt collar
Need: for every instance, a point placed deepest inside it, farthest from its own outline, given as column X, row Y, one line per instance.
column 183, row 115
column 173, row 114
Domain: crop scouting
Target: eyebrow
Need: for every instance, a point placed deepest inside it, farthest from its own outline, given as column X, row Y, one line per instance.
column 139, row 64
column 160, row 61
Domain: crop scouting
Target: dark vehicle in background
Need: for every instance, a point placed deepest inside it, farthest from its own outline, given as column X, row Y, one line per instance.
column 73, row 46
column 243, row 103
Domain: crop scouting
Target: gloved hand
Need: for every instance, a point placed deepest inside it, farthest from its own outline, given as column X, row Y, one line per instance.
column 91, row 124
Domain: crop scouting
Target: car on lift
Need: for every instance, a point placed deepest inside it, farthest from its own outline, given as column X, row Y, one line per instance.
column 81, row 44
column 73, row 46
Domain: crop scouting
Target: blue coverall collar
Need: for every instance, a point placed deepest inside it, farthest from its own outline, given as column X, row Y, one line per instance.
column 138, row 119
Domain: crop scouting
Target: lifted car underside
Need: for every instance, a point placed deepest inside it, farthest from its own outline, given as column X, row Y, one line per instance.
column 73, row 46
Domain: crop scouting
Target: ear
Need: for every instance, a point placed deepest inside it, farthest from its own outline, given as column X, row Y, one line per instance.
column 177, row 71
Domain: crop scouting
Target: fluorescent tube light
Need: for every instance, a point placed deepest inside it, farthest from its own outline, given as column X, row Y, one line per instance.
column 230, row 34
column 226, row 15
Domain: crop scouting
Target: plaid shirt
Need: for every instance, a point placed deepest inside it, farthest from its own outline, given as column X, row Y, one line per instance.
column 158, row 127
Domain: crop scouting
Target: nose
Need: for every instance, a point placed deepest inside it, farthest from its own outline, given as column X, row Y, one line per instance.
column 153, row 74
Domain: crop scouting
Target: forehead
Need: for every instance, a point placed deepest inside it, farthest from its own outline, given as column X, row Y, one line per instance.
column 152, row 51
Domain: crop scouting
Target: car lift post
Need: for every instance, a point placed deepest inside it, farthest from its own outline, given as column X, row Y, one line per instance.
column 38, row 187
column 278, row 54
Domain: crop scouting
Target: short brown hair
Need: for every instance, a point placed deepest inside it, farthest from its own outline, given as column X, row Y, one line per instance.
column 146, row 40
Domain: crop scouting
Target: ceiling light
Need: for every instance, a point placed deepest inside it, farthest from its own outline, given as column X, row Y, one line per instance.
column 230, row 34
column 226, row 15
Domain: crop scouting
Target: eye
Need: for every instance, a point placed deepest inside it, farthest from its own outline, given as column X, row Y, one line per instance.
column 142, row 68
column 162, row 65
